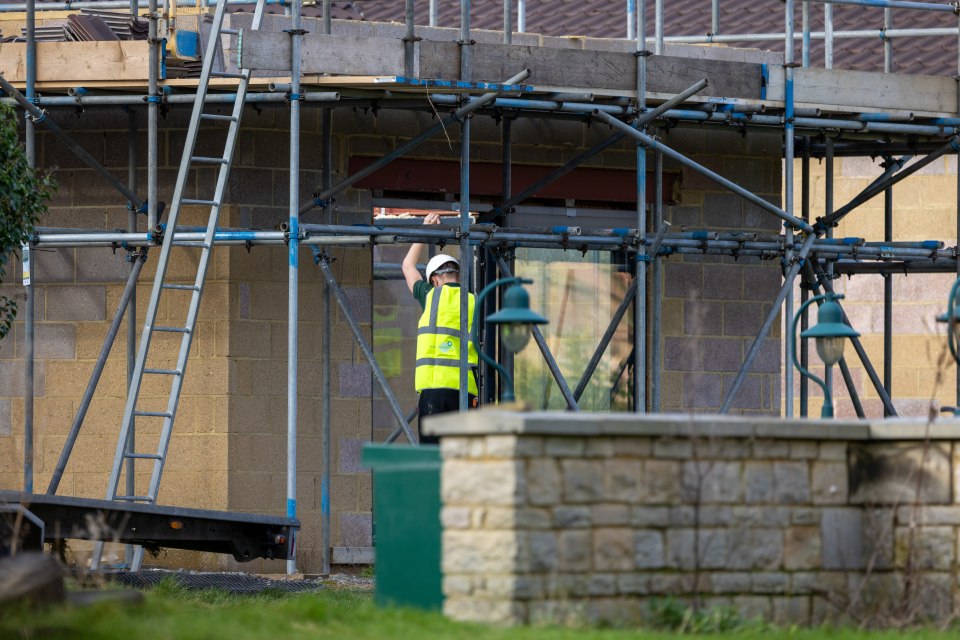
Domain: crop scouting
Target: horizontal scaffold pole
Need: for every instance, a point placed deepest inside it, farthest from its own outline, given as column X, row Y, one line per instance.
column 928, row 252
column 131, row 100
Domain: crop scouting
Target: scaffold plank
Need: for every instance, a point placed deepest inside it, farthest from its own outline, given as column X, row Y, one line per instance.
column 78, row 62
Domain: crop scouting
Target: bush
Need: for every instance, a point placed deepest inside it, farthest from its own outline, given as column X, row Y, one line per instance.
column 24, row 194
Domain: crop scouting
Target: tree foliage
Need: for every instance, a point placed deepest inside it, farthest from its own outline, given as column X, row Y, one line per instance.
column 24, row 194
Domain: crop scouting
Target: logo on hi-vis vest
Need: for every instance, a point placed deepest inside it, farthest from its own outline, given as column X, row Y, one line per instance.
column 446, row 347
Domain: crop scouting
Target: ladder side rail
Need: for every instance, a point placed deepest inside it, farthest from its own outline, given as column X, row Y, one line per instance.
column 134, row 390
column 206, row 253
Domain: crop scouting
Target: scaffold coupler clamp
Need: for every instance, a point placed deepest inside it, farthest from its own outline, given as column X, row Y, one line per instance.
column 956, row 7
column 289, row 233
column 320, row 255
column 37, row 115
column 317, row 202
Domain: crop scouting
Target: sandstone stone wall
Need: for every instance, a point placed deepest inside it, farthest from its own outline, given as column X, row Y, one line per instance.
column 550, row 516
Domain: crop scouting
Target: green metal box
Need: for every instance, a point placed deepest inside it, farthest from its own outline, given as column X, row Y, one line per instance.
column 406, row 517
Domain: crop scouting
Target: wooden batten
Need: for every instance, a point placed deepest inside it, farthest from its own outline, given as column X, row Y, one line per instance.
column 78, row 62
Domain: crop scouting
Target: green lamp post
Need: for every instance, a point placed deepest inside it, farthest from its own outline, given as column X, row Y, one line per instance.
column 952, row 318
column 830, row 333
column 515, row 319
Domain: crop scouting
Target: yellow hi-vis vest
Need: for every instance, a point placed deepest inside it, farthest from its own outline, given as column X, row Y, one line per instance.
column 438, row 342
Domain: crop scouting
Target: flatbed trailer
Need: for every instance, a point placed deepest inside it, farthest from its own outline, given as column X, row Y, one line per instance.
column 245, row 536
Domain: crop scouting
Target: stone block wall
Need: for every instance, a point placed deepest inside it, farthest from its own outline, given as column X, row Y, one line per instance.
column 550, row 516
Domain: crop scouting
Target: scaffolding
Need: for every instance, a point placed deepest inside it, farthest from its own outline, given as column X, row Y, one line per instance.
column 806, row 248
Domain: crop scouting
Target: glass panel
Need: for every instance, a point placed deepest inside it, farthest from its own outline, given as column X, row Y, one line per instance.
column 579, row 294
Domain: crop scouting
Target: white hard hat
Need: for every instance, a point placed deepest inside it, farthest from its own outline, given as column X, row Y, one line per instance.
column 438, row 261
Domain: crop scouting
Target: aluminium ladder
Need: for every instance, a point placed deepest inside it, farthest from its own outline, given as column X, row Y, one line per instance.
column 161, row 285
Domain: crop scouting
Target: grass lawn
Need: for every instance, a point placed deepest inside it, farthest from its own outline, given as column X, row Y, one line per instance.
column 169, row 611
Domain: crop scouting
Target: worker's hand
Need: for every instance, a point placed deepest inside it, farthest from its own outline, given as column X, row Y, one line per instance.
column 432, row 218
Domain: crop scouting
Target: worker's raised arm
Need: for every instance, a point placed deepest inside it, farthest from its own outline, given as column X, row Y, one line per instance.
column 409, row 266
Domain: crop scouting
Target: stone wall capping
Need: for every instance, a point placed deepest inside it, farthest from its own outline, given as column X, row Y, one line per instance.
column 494, row 422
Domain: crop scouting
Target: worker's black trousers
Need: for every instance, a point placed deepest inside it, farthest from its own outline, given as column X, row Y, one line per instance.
column 436, row 401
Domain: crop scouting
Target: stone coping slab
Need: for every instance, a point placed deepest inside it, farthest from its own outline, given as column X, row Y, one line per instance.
column 557, row 423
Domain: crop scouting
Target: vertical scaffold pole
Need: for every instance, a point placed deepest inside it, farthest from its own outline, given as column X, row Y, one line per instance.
column 887, row 41
column 293, row 279
column 506, row 356
column 640, row 302
column 887, row 236
column 433, row 13
column 466, row 258
column 153, row 115
column 828, row 38
column 805, row 318
column 828, row 210
column 788, row 201
column 409, row 40
column 131, row 306
column 491, row 394
column 656, row 297
column 507, row 22
column 805, row 47
column 631, row 19
column 521, row 16
column 958, row 194
column 326, row 181
column 658, row 28
column 28, row 320
column 714, row 17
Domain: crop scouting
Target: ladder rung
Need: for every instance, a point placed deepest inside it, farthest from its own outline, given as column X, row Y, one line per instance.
column 228, row 74
column 163, row 372
column 143, row 456
column 208, row 203
column 230, row 32
column 172, row 329
column 134, row 498
column 153, row 414
column 181, row 287
column 209, row 160
column 190, row 243
column 217, row 116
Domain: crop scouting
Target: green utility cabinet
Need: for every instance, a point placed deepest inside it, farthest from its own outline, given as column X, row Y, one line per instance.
column 406, row 520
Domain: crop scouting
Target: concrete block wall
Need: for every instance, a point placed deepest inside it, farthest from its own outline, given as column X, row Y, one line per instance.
column 713, row 306
column 924, row 209
column 229, row 444
column 547, row 516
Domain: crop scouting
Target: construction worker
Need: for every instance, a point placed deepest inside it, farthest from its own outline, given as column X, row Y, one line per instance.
column 438, row 333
